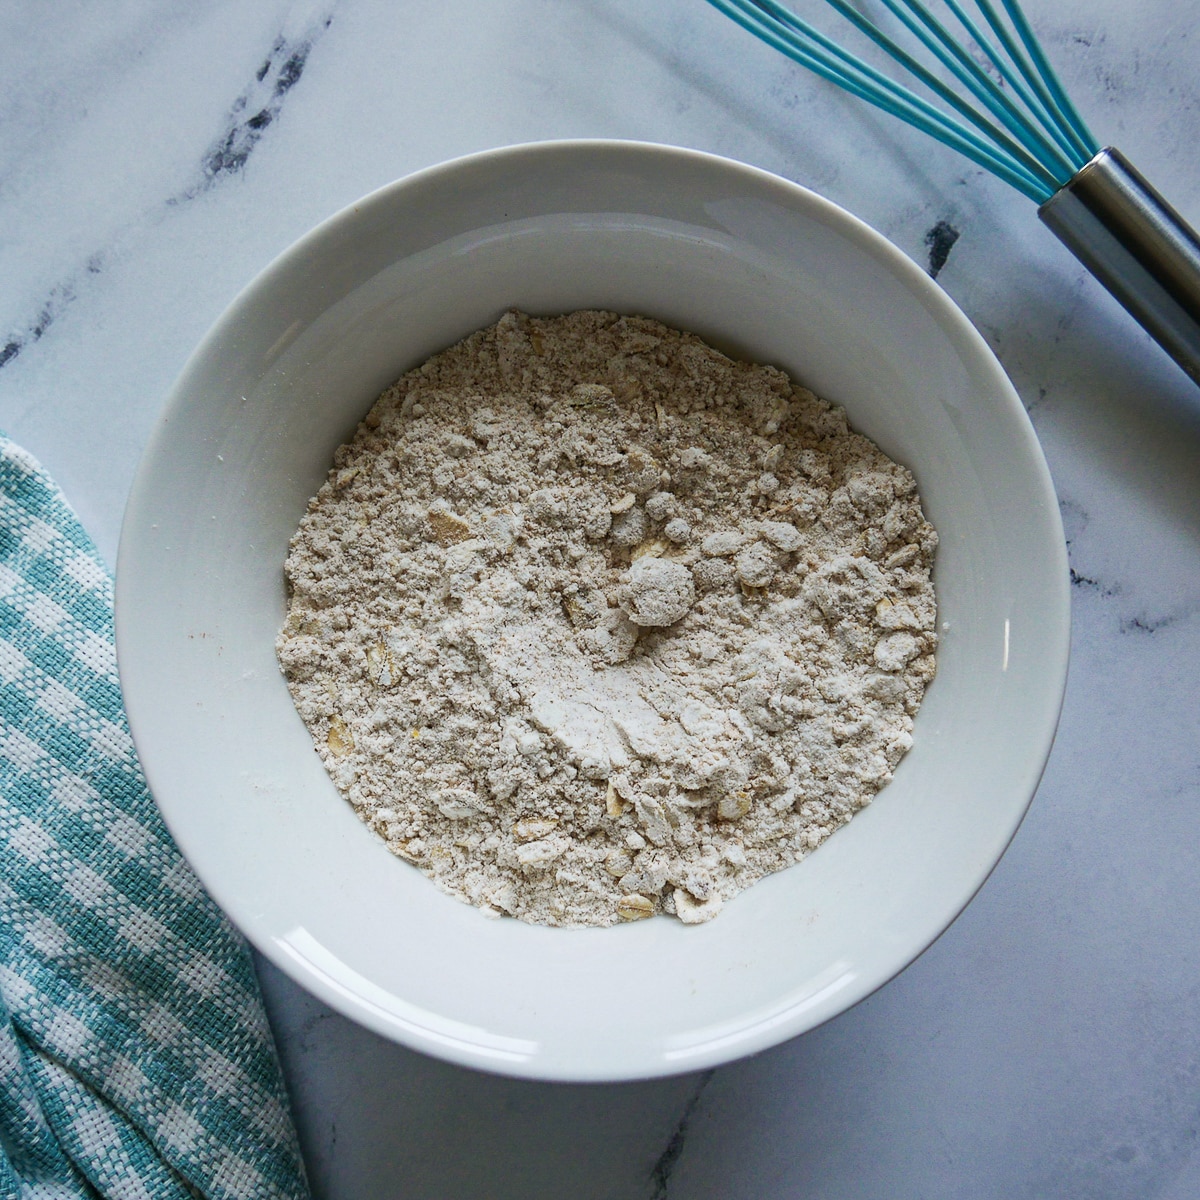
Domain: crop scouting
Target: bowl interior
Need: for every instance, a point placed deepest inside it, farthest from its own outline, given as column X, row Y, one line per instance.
column 761, row 268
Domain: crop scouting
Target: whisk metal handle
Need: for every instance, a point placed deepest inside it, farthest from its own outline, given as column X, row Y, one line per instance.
column 1138, row 246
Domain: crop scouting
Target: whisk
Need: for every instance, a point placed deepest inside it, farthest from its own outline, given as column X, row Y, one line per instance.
column 1017, row 122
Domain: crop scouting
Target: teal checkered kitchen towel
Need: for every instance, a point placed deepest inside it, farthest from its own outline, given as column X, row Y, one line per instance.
column 135, row 1056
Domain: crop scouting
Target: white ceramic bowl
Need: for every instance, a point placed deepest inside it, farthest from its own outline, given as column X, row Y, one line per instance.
column 758, row 266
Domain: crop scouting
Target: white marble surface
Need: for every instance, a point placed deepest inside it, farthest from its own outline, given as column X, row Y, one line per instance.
column 1049, row 1043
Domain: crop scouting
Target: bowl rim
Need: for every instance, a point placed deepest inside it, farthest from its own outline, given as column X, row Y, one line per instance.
column 946, row 313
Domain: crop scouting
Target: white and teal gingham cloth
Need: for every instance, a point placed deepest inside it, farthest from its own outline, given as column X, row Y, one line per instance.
column 136, row 1062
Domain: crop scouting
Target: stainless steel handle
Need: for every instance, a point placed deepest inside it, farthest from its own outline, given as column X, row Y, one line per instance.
column 1138, row 246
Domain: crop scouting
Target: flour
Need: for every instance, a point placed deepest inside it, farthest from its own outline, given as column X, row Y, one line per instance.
column 590, row 622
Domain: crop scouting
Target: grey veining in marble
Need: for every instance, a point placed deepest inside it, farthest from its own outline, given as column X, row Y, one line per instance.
column 154, row 155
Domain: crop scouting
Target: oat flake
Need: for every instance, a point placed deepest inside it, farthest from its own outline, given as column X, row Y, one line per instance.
column 590, row 622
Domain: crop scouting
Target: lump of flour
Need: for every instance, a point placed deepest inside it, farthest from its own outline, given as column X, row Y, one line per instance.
column 656, row 591
column 590, row 622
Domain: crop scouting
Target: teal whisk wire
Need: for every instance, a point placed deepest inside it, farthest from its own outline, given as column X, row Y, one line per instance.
column 811, row 49
column 1048, row 74
column 1028, row 80
column 934, row 35
column 1018, row 154
column 1035, row 149
column 1006, row 110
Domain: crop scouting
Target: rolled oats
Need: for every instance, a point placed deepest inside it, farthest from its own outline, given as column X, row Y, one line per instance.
column 591, row 622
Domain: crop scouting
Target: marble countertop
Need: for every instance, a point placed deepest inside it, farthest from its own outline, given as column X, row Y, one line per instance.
column 155, row 155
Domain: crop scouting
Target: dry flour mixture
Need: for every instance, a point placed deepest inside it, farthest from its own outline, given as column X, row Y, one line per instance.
column 590, row 622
